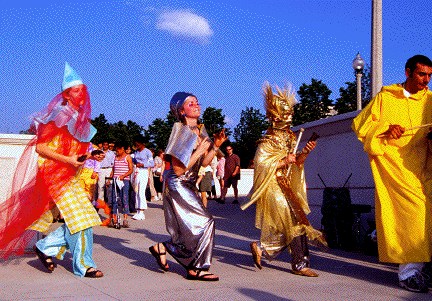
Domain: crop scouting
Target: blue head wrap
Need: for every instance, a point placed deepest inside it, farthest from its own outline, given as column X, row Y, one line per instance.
column 177, row 102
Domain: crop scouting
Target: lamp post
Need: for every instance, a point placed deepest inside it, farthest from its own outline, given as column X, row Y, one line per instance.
column 358, row 65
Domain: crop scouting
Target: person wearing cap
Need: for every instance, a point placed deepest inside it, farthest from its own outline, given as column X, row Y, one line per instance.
column 189, row 223
column 63, row 134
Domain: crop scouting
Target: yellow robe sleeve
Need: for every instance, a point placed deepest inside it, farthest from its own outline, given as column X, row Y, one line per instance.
column 368, row 125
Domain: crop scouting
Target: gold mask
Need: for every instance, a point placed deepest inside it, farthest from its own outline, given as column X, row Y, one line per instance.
column 279, row 107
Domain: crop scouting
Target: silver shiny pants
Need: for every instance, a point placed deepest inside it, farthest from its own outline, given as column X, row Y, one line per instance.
column 188, row 222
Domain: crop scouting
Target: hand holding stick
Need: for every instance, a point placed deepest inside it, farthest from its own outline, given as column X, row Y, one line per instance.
column 295, row 148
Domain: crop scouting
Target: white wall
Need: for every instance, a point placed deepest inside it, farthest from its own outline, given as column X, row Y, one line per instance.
column 338, row 154
column 11, row 148
column 244, row 185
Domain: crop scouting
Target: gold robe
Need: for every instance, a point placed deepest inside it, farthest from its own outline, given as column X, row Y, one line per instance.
column 273, row 209
column 402, row 173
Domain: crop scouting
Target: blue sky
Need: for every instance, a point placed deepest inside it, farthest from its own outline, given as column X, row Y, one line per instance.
column 134, row 55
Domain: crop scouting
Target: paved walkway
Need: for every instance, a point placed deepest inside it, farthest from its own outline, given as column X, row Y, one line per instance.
column 131, row 272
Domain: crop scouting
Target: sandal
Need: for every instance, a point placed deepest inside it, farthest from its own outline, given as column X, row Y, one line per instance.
column 255, row 254
column 157, row 254
column 93, row 274
column 46, row 260
column 202, row 276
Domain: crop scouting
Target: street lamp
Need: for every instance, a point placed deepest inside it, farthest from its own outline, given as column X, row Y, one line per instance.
column 358, row 65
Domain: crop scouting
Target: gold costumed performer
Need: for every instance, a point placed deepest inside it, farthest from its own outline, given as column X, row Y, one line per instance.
column 279, row 188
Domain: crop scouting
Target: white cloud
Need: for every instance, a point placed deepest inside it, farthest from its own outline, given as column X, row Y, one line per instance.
column 185, row 24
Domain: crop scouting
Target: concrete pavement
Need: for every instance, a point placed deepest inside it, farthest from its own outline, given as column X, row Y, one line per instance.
column 131, row 272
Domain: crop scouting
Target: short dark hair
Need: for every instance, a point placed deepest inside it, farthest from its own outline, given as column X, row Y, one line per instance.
column 120, row 144
column 412, row 62
column 139, row 139
column 97, row 152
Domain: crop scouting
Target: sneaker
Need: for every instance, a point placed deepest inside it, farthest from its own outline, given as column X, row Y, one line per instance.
column 139, row 216
column 235, row 201
column 415, row 283
column 136, row 216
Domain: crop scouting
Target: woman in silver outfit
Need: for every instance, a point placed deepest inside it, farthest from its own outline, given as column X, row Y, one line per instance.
column 188, row 222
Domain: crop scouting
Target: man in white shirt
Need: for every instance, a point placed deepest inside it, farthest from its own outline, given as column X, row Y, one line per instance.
column 143, row 161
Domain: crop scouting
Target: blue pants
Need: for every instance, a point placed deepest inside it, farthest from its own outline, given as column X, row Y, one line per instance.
column 80, row 245
column 120, row 200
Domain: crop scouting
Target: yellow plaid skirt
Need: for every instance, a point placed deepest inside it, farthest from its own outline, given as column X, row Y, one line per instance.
column 75, row 208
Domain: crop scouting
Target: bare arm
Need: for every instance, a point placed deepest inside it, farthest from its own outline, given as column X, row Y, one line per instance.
column 180, row 169
column 218, row 138
column 236, row 171
column 43, row 150
column 162, row 170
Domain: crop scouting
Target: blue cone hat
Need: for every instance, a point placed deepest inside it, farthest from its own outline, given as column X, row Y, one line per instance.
column 70, row 78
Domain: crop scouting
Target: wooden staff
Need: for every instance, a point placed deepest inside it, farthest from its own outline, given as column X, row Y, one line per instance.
column 382, row 135
column 419, row 127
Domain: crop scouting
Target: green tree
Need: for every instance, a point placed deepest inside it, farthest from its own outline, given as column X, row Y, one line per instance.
column 314, row 102
column 250, row 128
column 125, row 132
column 159, row 131
column 103, row 129
column 214, row 121
column 347, row 101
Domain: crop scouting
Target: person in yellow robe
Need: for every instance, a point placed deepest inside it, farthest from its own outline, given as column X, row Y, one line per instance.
column 279, row 189
column 390, row 127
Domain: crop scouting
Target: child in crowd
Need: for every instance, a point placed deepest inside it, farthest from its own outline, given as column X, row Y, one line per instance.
column 120, row 174
column 89, row 173
column 88, row 178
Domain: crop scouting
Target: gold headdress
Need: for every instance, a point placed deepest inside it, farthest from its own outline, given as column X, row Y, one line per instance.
column 279, row 107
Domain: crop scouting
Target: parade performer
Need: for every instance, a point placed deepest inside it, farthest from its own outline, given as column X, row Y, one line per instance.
column 391, row 127
column 63, row 132
column 279, row 188
column 187, row 220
